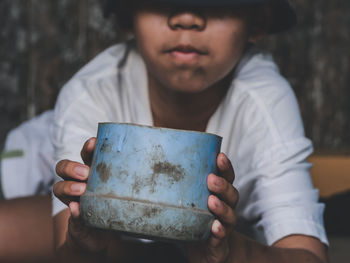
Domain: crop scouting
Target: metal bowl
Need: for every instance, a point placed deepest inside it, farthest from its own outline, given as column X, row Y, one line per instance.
column 151, row 182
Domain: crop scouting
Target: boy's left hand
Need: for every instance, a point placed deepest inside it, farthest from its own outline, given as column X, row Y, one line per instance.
column 221, row 204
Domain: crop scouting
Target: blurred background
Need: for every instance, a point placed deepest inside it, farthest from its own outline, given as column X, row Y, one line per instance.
column 43, row 43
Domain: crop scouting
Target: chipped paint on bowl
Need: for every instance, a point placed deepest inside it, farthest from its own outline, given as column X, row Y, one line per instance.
column 151, row 182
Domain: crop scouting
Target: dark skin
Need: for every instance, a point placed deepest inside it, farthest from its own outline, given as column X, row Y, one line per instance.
column 82, row 244
column 80, row 238
column 180, row 110
column 26, row 230
column 176, row 76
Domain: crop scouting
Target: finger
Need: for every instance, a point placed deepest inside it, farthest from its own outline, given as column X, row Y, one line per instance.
column 216, row 250
column 68, row 191
column 223, row 189
column 223, row 212
column 225, row 167
column 218, row 231
column 81, row 236
column 218, row 247
column 74, row 209
column 72, row 170
column 77, row 232
column 88, row 150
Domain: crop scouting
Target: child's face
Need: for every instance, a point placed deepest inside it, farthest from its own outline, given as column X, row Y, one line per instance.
column 188, row 51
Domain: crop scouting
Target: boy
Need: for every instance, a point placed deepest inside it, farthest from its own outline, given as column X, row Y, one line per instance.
column 193, row 65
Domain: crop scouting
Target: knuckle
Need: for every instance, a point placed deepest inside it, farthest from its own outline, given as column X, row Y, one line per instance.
column 229, row 216
column 66, row 188
column 85, row 147
column 59, row 166
column 82, row 153
column 223, row 231
column 223, row 185
column 220, row 255
column 235, row 196
column 56, row 189
column 233, row 220
column 63, row 167
column 225, row 208
column 227, row 186
column 229, row 162
column 69, row 169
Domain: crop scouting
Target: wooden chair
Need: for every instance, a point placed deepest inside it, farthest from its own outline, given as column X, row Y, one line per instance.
column 330, row 173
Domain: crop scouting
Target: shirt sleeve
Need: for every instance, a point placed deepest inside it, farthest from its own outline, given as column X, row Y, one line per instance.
column 278, row 198
column 88, row 98
column 27, row 166
column 283, row 201
column 75, row 121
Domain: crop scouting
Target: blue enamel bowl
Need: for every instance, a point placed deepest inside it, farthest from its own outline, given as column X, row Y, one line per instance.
column 151, row 182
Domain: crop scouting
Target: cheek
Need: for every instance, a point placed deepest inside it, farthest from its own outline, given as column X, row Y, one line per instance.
column 229, row 44
column 148, row 35
column 227, row 56
column 145, row 45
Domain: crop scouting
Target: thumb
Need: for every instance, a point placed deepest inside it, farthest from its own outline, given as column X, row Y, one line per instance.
column 81, row 237
column 77, row 232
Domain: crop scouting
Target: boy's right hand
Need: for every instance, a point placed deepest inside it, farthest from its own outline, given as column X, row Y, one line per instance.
column 75, row 175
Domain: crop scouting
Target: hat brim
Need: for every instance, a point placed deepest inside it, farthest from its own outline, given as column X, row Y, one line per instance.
column 283, row 17
column 283, row 14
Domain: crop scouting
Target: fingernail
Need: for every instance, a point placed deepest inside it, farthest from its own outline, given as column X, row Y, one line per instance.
column 81, row 171
column 73, row 207
column 218, row 181
column 216, row 226
column 77, row 188
column 218, row 204
column 90, row 144
column 225, row 161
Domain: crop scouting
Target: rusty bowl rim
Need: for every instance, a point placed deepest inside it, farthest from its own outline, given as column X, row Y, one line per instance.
column 159, row 128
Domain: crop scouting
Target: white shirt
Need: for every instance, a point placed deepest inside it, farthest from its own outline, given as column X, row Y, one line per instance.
column 27, row 166
column 258, row 119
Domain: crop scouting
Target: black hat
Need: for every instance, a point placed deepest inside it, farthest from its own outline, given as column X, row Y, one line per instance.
column 283, row 14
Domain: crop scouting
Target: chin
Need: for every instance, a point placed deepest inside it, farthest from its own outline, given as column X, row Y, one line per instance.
column 187, row 84
column 189, row 88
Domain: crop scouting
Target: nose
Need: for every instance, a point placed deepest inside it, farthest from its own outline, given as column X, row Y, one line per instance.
column 187, row 20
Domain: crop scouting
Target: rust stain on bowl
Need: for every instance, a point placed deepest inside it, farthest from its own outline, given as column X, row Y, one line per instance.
column 137, row 184
column 106, row 147
column 155, row 185
column 104, row 171
column 150, row 211
column 174, row 172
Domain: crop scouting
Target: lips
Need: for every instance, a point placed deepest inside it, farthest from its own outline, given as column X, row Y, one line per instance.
column 187, row 49
column 186, row 54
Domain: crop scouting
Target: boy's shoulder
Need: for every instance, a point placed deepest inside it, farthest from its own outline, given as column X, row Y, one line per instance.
column 258, row 66
column 98, row 72
column 259, row 86
column 258, row 74
column 104, row 64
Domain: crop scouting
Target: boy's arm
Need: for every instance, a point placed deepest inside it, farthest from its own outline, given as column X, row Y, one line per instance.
column 77, row 243
column 308, row 243
column 60, row 225
column 227, row 245
column 116, row 251
column 294, row 248
column 65, row 252
column 26, row 230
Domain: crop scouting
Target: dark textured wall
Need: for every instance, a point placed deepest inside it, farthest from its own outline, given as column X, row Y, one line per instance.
column 315, row 58
column 43, row 43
